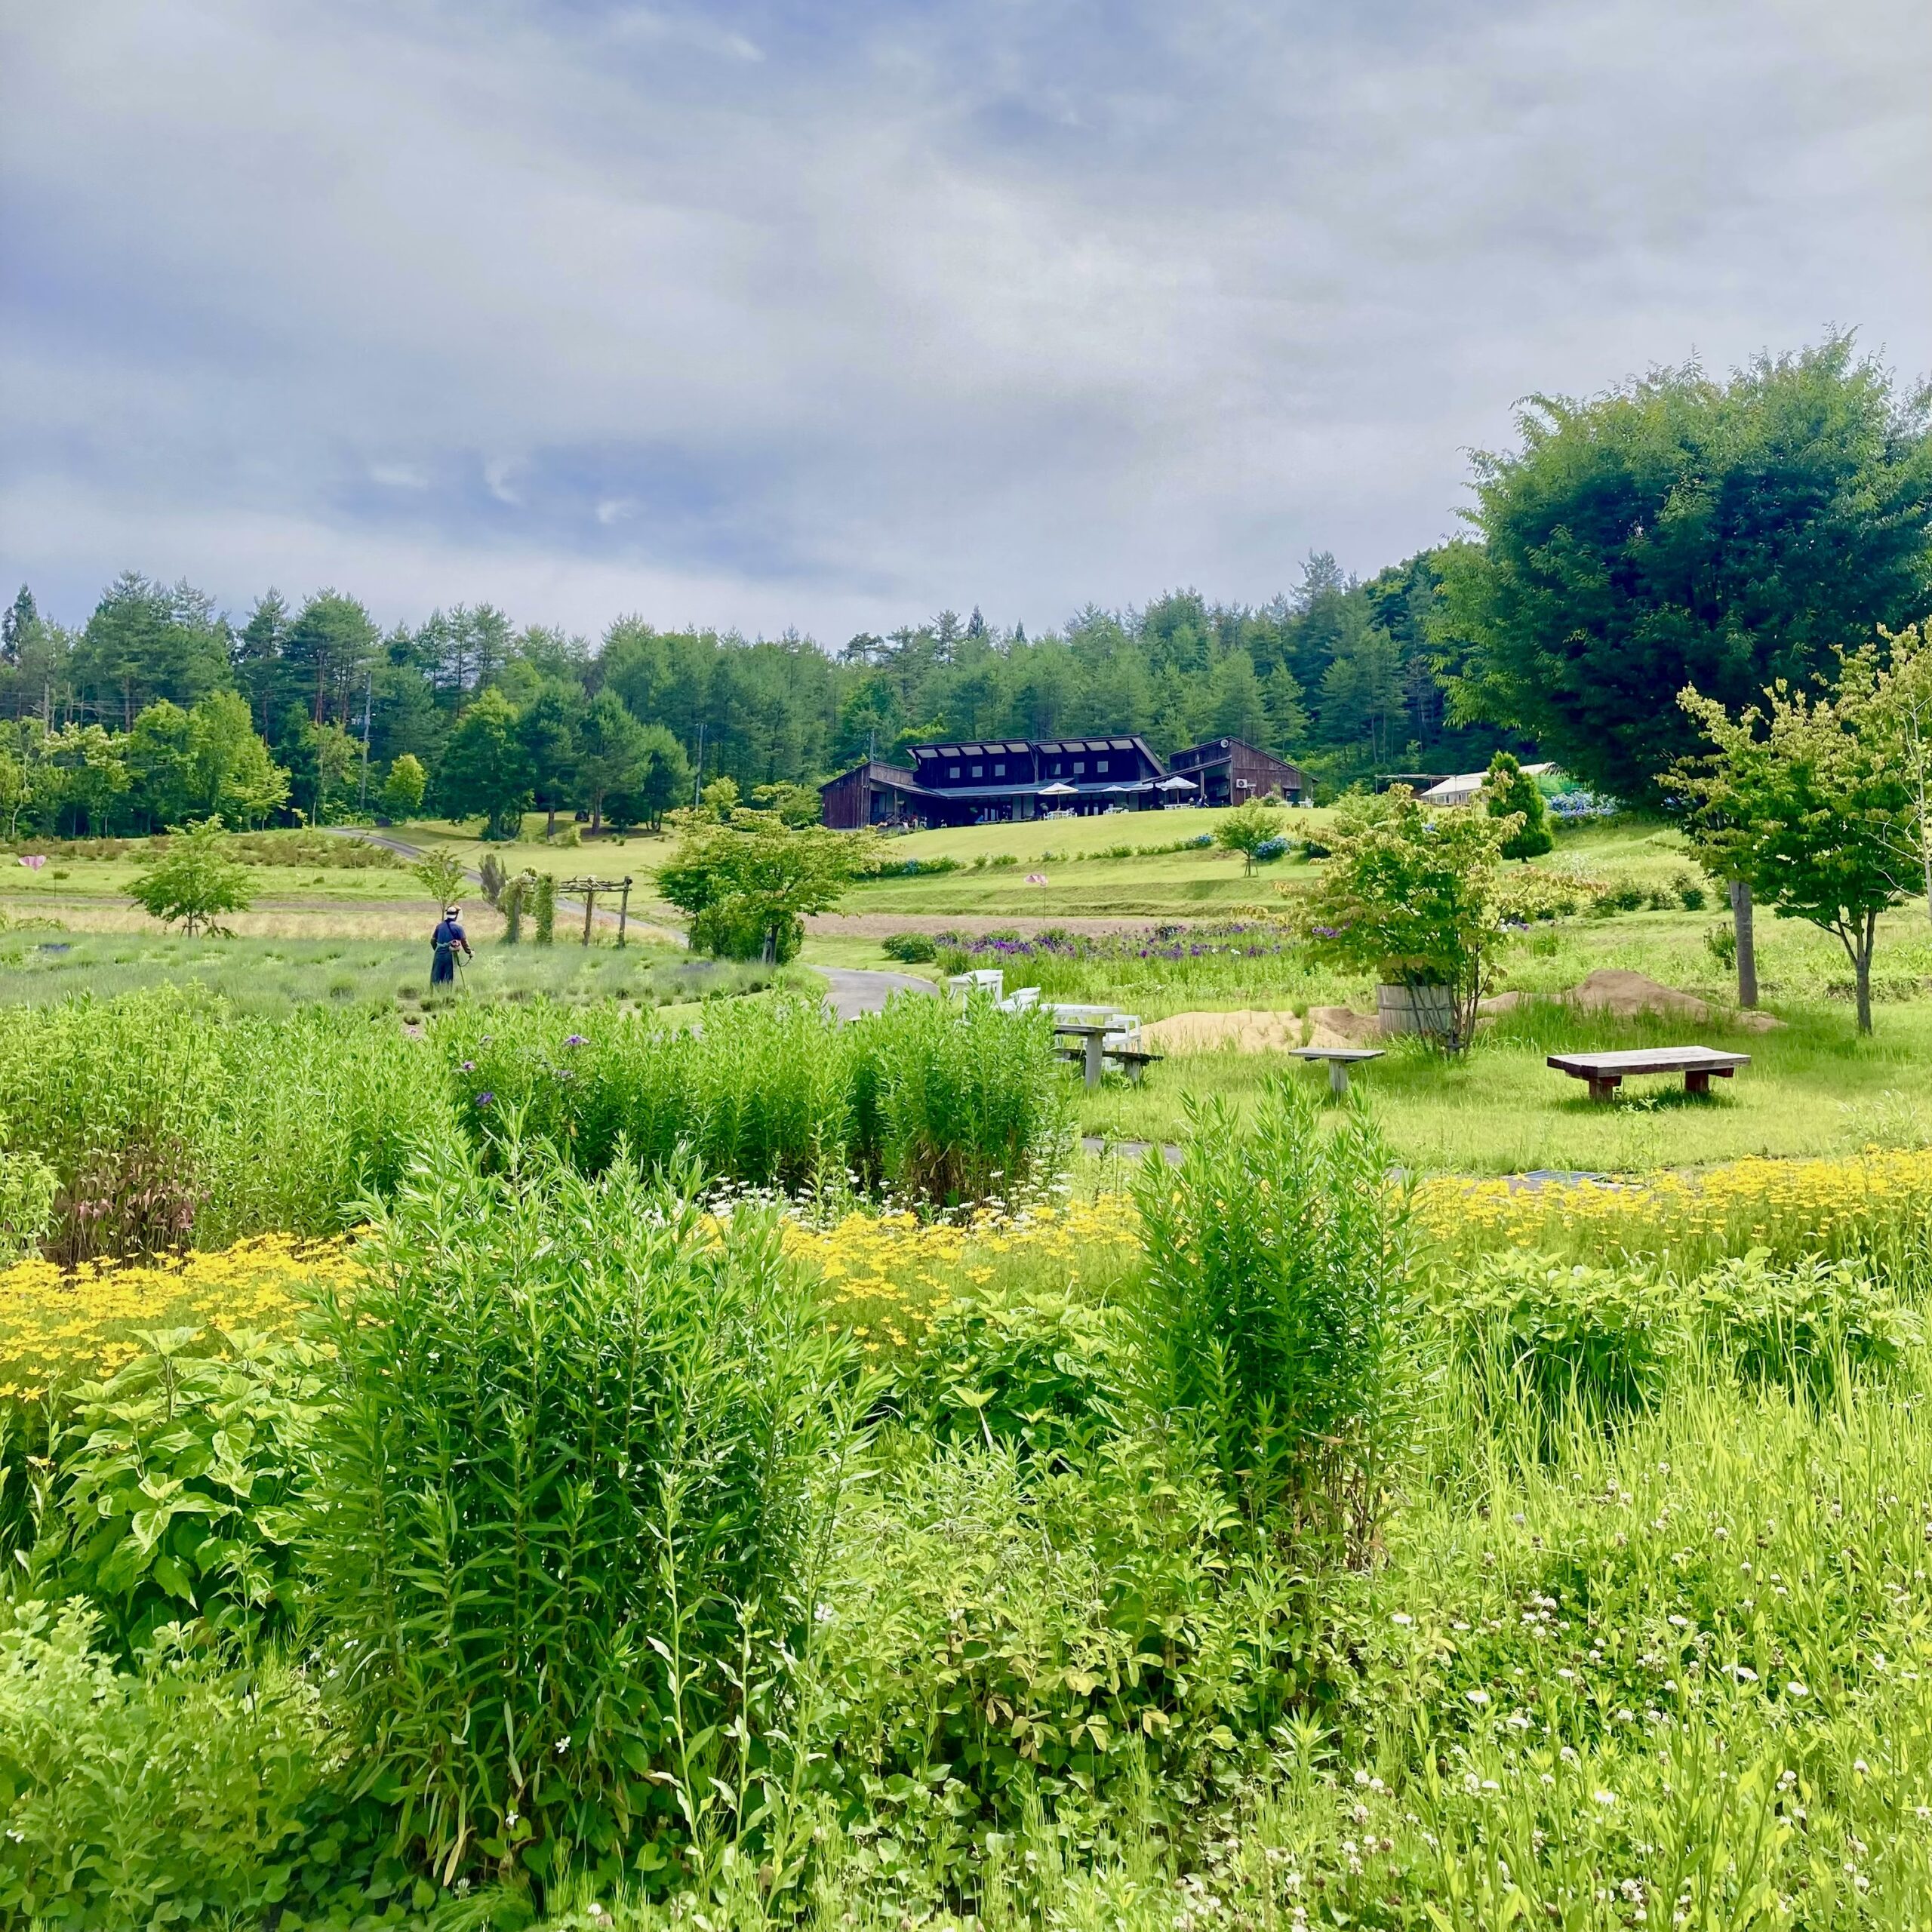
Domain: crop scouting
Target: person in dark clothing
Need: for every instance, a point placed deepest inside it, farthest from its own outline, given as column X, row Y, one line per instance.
column 444, row 940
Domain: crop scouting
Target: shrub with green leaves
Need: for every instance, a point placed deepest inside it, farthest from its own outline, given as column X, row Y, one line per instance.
column 1043, row 1366
column 583, row 1451
column 178, row 1795
column 175, row 1498
column 1553, row 1337
column 914, row 949
column 1797, row 1325
column 1276, row 1272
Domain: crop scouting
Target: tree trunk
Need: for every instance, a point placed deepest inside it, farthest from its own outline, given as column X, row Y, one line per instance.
column 1746, row 934
column 550, row 828
column 1861, row 967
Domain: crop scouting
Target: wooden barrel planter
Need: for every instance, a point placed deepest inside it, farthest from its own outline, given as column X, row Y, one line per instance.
column 1430, row 1010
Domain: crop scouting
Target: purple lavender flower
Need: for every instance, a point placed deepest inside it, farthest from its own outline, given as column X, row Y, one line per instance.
column 468, row 1066
column 575, row 1040
column 484, row 1099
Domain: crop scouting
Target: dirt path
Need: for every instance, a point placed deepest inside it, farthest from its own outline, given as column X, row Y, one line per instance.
column 877, row 925
column 606, row 916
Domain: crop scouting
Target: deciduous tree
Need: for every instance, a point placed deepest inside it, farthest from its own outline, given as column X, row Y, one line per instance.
column 1800, row 798
column 194, row 880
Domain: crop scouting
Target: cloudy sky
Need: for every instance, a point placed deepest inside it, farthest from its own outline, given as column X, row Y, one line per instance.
column 834, row 314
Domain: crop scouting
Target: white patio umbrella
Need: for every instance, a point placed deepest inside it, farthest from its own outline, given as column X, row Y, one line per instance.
column 1176, row 783
column 1058, row 791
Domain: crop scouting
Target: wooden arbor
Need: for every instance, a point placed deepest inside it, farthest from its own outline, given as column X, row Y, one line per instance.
column 589, row 889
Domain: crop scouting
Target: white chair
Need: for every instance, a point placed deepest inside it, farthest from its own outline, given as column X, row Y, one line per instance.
column 1020, row 1000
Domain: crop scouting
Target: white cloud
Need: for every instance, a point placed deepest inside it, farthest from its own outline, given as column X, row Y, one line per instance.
column 915, row 307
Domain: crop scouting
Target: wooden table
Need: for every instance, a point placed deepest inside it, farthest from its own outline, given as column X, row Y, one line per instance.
column 1606, row 1072
column 1339, row 1060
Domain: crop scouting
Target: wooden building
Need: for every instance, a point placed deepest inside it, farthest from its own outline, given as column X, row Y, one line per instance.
column 1230, row 771
column 993, row 781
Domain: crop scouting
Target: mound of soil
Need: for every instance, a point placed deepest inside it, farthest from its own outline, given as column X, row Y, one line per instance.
column 1628, row 995
column 1342, row 1027
column 1246, row 1031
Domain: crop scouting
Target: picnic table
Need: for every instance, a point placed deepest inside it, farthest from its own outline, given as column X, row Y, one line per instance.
column 1339, row 1060
column 1606, row 1072
column 1093, row 1052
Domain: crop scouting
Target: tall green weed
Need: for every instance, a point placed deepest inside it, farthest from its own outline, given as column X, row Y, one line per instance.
column 1276, row 1274
column 582, row 1455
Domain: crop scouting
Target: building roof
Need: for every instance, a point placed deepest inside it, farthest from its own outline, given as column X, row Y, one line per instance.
column 1211, row 750
column 880, row 773
column 1460, row 789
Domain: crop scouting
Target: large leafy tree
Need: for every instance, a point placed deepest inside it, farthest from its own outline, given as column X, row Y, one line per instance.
column 231, row 772
column 611, row 753
column 147, row 641
column 545, row 728
column 1685, row 531
column 485, row 771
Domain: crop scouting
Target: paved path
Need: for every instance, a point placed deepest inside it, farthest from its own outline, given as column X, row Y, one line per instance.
column 852, row 990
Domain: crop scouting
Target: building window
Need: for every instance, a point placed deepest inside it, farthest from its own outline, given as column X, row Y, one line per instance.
column 1056, row 767
column 1079, row 766
column 999, row 771
column 1100, row 764
column 979, row 771
column 952, row 771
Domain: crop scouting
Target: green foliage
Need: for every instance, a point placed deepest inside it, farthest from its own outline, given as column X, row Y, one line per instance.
column 177, row 1480
column 544, row 900
column 912, row 948
column 516, row 894
column 1600, row 1341
column 1277, row 1265
column 403, row 790
column 964, row 1105
column 1799, row 1326
column 442, row 873
column 178, row 1795
column 1043, row 1367
column 1510, row 793
column 1682, row 530
column 936, row 1105
column 193, row 879
column 27, row 1188
column 1805, row 801
column 746, row 879
column 485, row 773
column 1246, row 830
column 1416, row 897
column 163, row 1113
column 1013, row 1639
column 583, row 1455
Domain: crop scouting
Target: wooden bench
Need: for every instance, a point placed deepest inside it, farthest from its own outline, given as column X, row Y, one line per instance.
column 1339, row 1060
column 1606, row 1072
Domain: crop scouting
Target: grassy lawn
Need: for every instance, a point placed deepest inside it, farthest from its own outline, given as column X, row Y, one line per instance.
column 1813, row 1088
